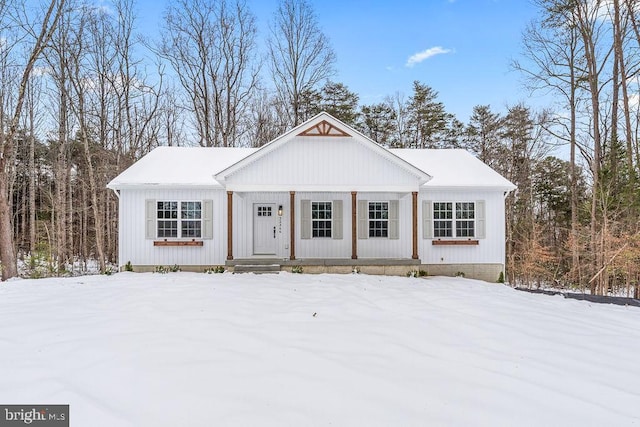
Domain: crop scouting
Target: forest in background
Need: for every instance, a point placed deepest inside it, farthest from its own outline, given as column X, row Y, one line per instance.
column 82, row 97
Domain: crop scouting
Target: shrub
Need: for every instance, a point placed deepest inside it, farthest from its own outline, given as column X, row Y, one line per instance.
column 162, row 269
column 297, row 269
column 128, row 266
column 216, row 269
column 175, row 268
column 108, row 271
column 460, row 274
column 501, row 277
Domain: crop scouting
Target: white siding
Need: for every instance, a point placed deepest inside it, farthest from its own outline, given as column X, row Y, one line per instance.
column 243, row 222
column 491, row 249
column 367, row 248
column 326, row 163
column 324, row 247
column 134, row 247
column 377, row 247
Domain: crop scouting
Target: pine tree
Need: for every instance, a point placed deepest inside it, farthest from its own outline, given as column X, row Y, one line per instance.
column 427, row 117
column 378, row 122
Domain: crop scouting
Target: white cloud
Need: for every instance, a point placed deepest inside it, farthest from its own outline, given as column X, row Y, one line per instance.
column 425, row 54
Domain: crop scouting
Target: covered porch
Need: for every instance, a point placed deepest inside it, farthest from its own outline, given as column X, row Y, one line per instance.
column 286, row 226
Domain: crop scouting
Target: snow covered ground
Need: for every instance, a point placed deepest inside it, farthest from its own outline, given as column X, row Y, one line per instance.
column 187, row 349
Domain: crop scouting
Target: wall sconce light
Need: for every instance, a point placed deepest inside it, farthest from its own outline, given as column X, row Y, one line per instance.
column 280, row 210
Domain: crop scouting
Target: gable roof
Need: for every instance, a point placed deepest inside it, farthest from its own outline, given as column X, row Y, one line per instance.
column 454, row 168
column 324, row 124
column 172, row 166
column 209, row 166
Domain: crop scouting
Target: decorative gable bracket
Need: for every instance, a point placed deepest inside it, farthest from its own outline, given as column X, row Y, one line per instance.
column 324, row 128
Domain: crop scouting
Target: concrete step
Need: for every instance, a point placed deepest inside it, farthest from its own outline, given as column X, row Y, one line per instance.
column 257, row 269
column 254, row 261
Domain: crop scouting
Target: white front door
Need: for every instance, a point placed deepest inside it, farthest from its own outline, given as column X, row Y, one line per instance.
column 264, row 229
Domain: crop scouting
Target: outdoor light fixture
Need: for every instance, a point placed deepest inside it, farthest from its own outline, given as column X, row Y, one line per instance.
column 280, row 210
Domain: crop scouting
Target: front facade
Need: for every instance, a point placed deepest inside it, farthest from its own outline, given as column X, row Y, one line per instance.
column 322, row 196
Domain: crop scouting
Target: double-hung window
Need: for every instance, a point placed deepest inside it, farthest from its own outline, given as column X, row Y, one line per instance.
column 443, row 219
column 378, row 219
column 321, row 219
column 454, row 219
column 465, row 219
column 179, row 219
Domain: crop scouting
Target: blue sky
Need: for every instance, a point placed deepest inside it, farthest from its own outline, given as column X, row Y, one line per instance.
column 374, row 41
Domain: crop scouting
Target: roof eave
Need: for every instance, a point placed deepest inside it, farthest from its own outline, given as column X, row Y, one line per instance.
column 162, row 186
column 470, row 187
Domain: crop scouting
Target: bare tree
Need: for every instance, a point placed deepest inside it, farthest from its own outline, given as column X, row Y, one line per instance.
column 36, row 36
column 211, row 46
column 266, row 119
column 300, row 54
column 552, row 47
column 398, row 104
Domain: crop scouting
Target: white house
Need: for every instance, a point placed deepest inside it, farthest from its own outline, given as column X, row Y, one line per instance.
column 322, row 196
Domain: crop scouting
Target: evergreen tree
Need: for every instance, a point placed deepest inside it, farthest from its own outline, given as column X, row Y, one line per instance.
column 378, row 122
column 340, row 102
column 483, row 134
column 427, row 122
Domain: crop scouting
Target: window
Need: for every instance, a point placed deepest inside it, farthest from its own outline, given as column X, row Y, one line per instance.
column 187, row 225
column 321, row 219
column 167, row 219
column 378, row 219
column 264, row 210
column 465, row 219
column 443, row 219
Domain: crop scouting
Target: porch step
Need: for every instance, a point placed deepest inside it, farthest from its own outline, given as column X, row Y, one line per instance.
column 257, row 268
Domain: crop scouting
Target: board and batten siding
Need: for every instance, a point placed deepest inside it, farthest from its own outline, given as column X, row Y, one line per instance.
column 243, row 222
column 380, row 247
column 323, row 247
column 134, row 247
column 490, row 249
column 304, row 163
column 374, row 247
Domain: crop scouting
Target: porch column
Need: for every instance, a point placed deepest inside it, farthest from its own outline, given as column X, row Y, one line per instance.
column 292, row 222
column 229, row 225
column 354, row 226
column 414, row 214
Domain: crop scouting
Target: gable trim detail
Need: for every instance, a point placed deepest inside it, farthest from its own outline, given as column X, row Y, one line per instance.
column 324, row 128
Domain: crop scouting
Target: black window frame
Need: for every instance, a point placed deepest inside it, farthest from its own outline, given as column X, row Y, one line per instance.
column 321, row 219
column 179, row 219
column 378, row 219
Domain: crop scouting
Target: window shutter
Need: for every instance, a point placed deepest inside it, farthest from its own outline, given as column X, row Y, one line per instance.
column 207, row 219
column 363, row 219
column 336, row 215
column 427, row 219
column 394, row 232
column 305, row 219
column 480, row 220
column 150, row 218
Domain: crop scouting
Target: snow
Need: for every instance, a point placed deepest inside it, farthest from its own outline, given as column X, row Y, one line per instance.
column 180, row 166
column 152, row 349
column 453, row 168
column 200, row 166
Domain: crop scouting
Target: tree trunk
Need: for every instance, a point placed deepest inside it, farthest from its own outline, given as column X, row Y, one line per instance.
column 7, row 250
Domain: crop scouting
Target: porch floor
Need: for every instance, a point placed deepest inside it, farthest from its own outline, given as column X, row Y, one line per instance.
column 324, row 262
column 380, row 266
